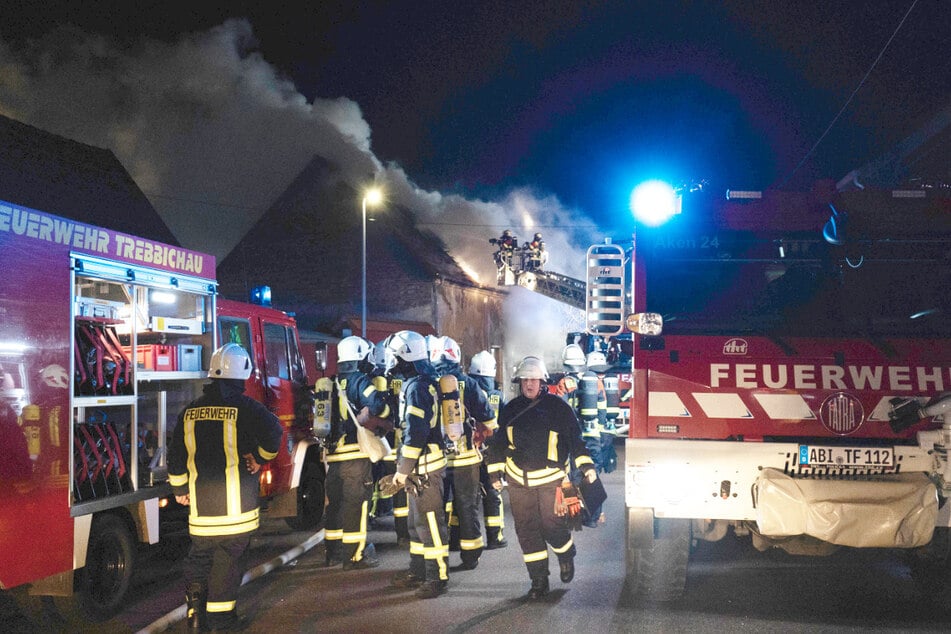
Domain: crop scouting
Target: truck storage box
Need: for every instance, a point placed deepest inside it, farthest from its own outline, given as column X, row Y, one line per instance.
column 189, row 358
column 181, row 326
column 158, row 357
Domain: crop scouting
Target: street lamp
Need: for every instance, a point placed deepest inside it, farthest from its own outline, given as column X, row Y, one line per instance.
column 373, row 196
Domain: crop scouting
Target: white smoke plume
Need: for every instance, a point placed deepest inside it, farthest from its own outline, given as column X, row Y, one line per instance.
column 213, row 134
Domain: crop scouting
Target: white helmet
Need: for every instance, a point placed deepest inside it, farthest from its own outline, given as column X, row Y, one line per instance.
column 573, row 356
column 597, row 362
column 482, row 364
column 381, row 356
column 531, row 368
column 435, row 346
column 408, row 345
column 230, row 361
column 353, row 348
column 451, row 352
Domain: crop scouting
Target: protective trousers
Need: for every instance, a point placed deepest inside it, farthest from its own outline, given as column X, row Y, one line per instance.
column 537, row 526
column 428, row 533
column 218, row 563
column 465, row 525
column 492, row 509
column 349, row 488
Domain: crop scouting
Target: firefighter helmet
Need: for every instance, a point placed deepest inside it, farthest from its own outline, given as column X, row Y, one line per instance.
column 597, row 362
column 531, row 368
column 538, row 237
column 407, row 345
column 451, row 352
column 482, row 364
column 381, row 357
column 434, row 344
column 573, row 356
column 353, row 348
column 507, row 233
column 230, row 361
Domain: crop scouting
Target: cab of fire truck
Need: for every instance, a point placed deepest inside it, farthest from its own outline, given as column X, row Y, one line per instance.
column 292, row 485
column 794, row 394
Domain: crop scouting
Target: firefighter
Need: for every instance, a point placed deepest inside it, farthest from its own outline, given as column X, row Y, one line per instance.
column 592, row 409
column 537, row 255
column 482, row 369
column 217, row 449
column 538, row 435
column 349, row 472
column 507, row 244
column 421, row 465
column 382, row 360
column 463, row 487
column 565, row 384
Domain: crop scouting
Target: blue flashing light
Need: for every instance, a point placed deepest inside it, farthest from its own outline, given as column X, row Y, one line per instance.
column 654, row 203
column 261, row 295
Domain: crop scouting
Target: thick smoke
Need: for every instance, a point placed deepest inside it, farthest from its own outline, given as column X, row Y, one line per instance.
column 213, row 134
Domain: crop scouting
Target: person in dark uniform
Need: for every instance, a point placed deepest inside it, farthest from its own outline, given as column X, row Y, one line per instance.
column 421, row 463
column 349, row 472
column 217, row 449
column 538, row 435
column 482, row 369
column 462, row 484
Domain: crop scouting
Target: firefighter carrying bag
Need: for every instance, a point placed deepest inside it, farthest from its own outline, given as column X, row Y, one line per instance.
column 376, row 447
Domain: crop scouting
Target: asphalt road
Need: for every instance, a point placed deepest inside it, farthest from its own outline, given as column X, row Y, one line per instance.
column 730, row 588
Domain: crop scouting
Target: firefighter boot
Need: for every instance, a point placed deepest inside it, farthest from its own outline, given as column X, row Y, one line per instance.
column 567, row 566
column 196, row 596
column 539, row 588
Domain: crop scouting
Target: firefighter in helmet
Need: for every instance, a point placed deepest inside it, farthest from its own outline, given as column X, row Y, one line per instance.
column 565, row 384
column 421, row 466
column 537, row 256
column 538, row 435
column 482, row 369
column 463, row 493
column 349, row 472
column 217, row 449
column 592, row 413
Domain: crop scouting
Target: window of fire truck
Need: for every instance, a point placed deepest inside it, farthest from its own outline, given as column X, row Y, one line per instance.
column 742, row 285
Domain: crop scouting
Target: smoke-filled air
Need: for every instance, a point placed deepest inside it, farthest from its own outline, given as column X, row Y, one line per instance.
column 213, row 134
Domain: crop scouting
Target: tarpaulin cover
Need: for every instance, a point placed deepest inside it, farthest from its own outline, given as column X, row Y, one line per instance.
column 894, row 511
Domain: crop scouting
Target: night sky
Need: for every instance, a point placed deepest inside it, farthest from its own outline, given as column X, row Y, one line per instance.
column 483, row 113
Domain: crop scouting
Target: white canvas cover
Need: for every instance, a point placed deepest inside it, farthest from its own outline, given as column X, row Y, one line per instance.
column 894, row 511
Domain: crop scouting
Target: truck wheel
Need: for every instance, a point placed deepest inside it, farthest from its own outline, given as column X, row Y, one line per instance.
column 657, row 567
column 101, row 586
column 310, row 497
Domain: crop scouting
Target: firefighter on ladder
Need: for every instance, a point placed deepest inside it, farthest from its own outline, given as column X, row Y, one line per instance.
column 217, row 434
column 463, row 487
column 482, row 368
column 421, row 464
column 538, row 435
column 349, row 472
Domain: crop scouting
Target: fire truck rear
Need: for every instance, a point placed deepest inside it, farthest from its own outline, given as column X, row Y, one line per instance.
column 791, row 374
column 104, row 338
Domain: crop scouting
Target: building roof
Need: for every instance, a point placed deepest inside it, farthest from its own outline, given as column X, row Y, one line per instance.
column 67, row 178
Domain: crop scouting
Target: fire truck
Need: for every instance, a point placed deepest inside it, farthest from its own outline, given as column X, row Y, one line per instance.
column 104, row 338
column 791, row 369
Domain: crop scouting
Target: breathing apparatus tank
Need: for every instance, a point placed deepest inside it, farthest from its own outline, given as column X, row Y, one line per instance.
column 453, row 416
column 323, row 407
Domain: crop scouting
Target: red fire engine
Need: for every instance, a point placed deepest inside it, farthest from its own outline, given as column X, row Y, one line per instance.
column 791, row 369
column 104, row 337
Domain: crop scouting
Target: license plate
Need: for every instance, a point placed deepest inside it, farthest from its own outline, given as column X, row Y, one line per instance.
column 816, row 456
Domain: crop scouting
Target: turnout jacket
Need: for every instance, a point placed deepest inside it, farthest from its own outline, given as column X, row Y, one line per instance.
column 421, row 434
column 535, row 441
column 358, row 389
column 205, row 458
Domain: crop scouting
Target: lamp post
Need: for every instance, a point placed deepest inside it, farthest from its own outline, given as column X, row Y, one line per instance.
column 372, row 196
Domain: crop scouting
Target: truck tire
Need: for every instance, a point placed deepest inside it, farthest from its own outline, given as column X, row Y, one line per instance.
column 100, row 587
column 310, row 497
column 657, row 570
